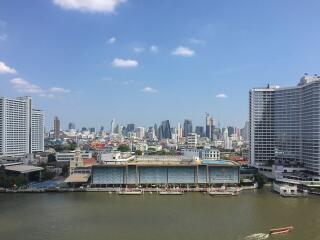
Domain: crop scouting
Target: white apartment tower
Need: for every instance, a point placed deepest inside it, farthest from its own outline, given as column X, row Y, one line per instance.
column 285, row 125
column 21, row 127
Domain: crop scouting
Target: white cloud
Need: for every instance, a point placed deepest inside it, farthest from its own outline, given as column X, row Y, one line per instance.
column 154, row 48
column 59, row 90
column 6, row 69
column 24, row 86
column 3, row 36
column 197, row 41
column 183, row 51
column 221, row 95
column 149, row 90
column 138, row 50
column 111, row 40
column 107, row 6
column 124, row 63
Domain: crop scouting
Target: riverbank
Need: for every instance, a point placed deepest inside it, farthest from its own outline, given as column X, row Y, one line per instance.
column 134, row 190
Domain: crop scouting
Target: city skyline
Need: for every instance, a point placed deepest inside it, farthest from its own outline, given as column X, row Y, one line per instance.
column 102, row 65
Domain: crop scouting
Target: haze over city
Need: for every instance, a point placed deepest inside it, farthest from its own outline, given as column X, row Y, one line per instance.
column 146, row 61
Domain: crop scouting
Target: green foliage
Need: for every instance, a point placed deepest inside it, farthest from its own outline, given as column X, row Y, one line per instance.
column 11, row 181
column 71, row 146
column 260, row 179
column 138, row 152
column 163, row 153
column 51, row 158
column 65, row 170
column 46, row 174
column 123, row 148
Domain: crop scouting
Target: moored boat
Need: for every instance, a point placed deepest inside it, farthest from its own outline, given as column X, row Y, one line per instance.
column 283, row 230
column 223, row 193
column 170, row 192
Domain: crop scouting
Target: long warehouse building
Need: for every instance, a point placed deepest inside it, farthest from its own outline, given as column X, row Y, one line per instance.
column 155, row 172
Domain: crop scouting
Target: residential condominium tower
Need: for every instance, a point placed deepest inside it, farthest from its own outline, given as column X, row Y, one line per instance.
column 285, row 125
column 21, row 127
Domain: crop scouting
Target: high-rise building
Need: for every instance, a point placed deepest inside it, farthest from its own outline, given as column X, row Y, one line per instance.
column 156, row 130
column 199, row 130
column 209, row 126
column 71, row 126
column 231, row 131
column 165, row 130
column 21, row 127
column 130, row 127
column 245, row 131
column 285, row 125
column 113, row 126
column 179, row 131
column 187, row 127
column 140, row 132
column 37, row 131
column 56, row 128
column 227, row 143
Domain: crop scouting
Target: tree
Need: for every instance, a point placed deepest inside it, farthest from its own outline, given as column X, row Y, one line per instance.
column 260, row 179
column 51, row 158
column 123, row 148
column 71, row 146
column 65, row 170
column 138, row 152
column 20, row 180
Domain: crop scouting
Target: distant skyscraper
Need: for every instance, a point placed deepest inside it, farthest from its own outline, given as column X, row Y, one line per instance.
column 209, row 126
column 179, row 131
column 156, row 130
column 140, row 132
column 130, row 127
column 226, row 139
column 21, row 127
column 285, row 125
column 113, row 126
column 200, row 131
column 230, row 131
column 187, row 127
column 56, row 128
column 165, row 130
column 72, row 126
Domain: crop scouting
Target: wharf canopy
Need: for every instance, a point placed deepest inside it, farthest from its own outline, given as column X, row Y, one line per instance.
column 159, row 170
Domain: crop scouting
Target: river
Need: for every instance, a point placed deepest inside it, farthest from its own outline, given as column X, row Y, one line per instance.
column 95, row 216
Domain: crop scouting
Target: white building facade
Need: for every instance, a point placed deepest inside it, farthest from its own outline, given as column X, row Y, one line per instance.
column 285, row 125
column 21, row 127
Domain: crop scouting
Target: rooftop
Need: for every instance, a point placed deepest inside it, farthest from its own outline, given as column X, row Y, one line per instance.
column 23, row 168
column 77, row 178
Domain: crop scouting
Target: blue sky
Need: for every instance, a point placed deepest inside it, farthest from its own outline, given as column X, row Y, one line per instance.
column 147, row 61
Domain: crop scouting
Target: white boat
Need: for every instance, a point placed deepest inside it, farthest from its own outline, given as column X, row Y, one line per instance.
column 130, row 192
column 223, row 193
column 170, row 193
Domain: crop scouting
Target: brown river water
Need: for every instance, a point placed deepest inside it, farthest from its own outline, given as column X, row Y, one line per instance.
column 91, row 216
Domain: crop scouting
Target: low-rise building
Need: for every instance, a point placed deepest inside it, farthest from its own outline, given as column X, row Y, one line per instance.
column 69, row 156
column 166, row 170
